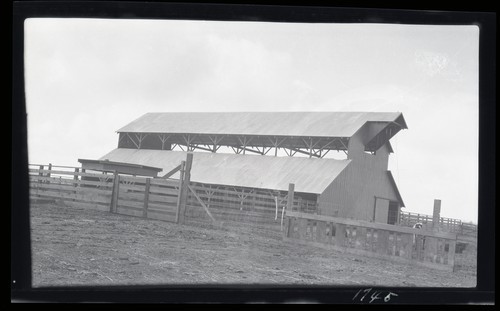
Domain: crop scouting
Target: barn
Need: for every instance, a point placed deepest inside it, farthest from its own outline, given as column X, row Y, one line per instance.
column 258, row 154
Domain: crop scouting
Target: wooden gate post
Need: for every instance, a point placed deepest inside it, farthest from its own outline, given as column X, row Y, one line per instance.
column 146, row 198
column 181, row 188
column 289, row 205
column 184, row 188
column 114, row 195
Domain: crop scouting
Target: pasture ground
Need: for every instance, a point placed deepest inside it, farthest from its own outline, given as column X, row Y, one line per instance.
column 75, row 246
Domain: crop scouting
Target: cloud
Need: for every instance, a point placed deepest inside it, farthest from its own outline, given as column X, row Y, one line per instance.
column 431, row 63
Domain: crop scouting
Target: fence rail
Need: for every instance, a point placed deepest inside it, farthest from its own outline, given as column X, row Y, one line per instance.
column 250, row 208
column 393, row 243
column 127, row 195
column 409, row 219
column 160, row 198
column 183, row 201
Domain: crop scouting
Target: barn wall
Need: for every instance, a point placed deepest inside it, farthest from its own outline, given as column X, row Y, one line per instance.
column 352, row 193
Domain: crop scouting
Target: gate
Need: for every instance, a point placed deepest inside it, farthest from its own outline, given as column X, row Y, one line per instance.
column 154, row 198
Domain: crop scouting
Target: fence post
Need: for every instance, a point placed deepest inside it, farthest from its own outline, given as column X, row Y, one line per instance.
column 40, row 173
column 451, row 253
column 75, row 179
column 185, row 190
column 289, row 205
column 436, row 214
column 253, row 200
column 114, row 195
column 289, row 202
column 179, row 195
column 50, row 168
column 146, row 198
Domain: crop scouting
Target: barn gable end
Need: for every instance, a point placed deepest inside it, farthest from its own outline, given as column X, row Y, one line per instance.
column 365, row 184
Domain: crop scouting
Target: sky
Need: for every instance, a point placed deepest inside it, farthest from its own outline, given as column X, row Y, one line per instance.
column 86, row 78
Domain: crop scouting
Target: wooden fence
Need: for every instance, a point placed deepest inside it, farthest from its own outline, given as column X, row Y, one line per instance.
column 408, row 219
column 154, row 198
column 71, row 185
column 175, row 200
column 250, row 207
column 183, row 201
column 390, row 242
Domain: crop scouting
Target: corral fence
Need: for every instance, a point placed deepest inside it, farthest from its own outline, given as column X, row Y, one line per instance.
column 154, row 198
column 252, row 208
column 389, row 242
column 174, row 200
column 183, row 201
column 409, row 219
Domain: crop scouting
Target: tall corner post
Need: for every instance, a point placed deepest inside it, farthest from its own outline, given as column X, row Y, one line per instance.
column 436, row 214
column 184, row 191
column 179, row 196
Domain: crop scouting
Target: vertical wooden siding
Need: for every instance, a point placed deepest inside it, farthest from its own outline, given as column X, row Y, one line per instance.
column 352, row 194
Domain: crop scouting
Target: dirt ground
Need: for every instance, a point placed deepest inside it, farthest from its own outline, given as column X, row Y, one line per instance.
column 75, row 246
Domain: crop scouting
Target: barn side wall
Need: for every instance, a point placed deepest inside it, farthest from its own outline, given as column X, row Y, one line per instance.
column 352, row 194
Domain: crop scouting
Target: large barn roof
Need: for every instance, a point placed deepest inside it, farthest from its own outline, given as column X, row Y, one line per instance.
column 307, row 124
column 253, row 171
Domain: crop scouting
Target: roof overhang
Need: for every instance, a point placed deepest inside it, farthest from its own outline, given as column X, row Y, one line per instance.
column 384, row 131
column 120, row 167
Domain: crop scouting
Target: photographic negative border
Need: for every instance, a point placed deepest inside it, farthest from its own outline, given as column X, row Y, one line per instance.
column 21, row 289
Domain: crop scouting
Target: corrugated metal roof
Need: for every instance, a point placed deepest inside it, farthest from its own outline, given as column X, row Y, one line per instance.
column 316, row 124
column 253, row 171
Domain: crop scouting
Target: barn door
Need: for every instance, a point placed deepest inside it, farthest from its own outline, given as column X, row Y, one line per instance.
column 381, row 210
column 393, row 214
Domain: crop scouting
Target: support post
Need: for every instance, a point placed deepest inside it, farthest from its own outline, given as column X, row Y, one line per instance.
column 289, row 205
column 451, row 253
column 289, row 202
column 114, row 195
column 181, row 189
column 146, row 198
column 436, row 214
column 185, row 184
column 50, row 168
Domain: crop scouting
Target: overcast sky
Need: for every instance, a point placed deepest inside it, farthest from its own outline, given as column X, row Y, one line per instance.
column 86, row 78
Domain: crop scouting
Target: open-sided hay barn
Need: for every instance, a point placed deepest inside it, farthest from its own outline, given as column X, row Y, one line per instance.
column 359, row 186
